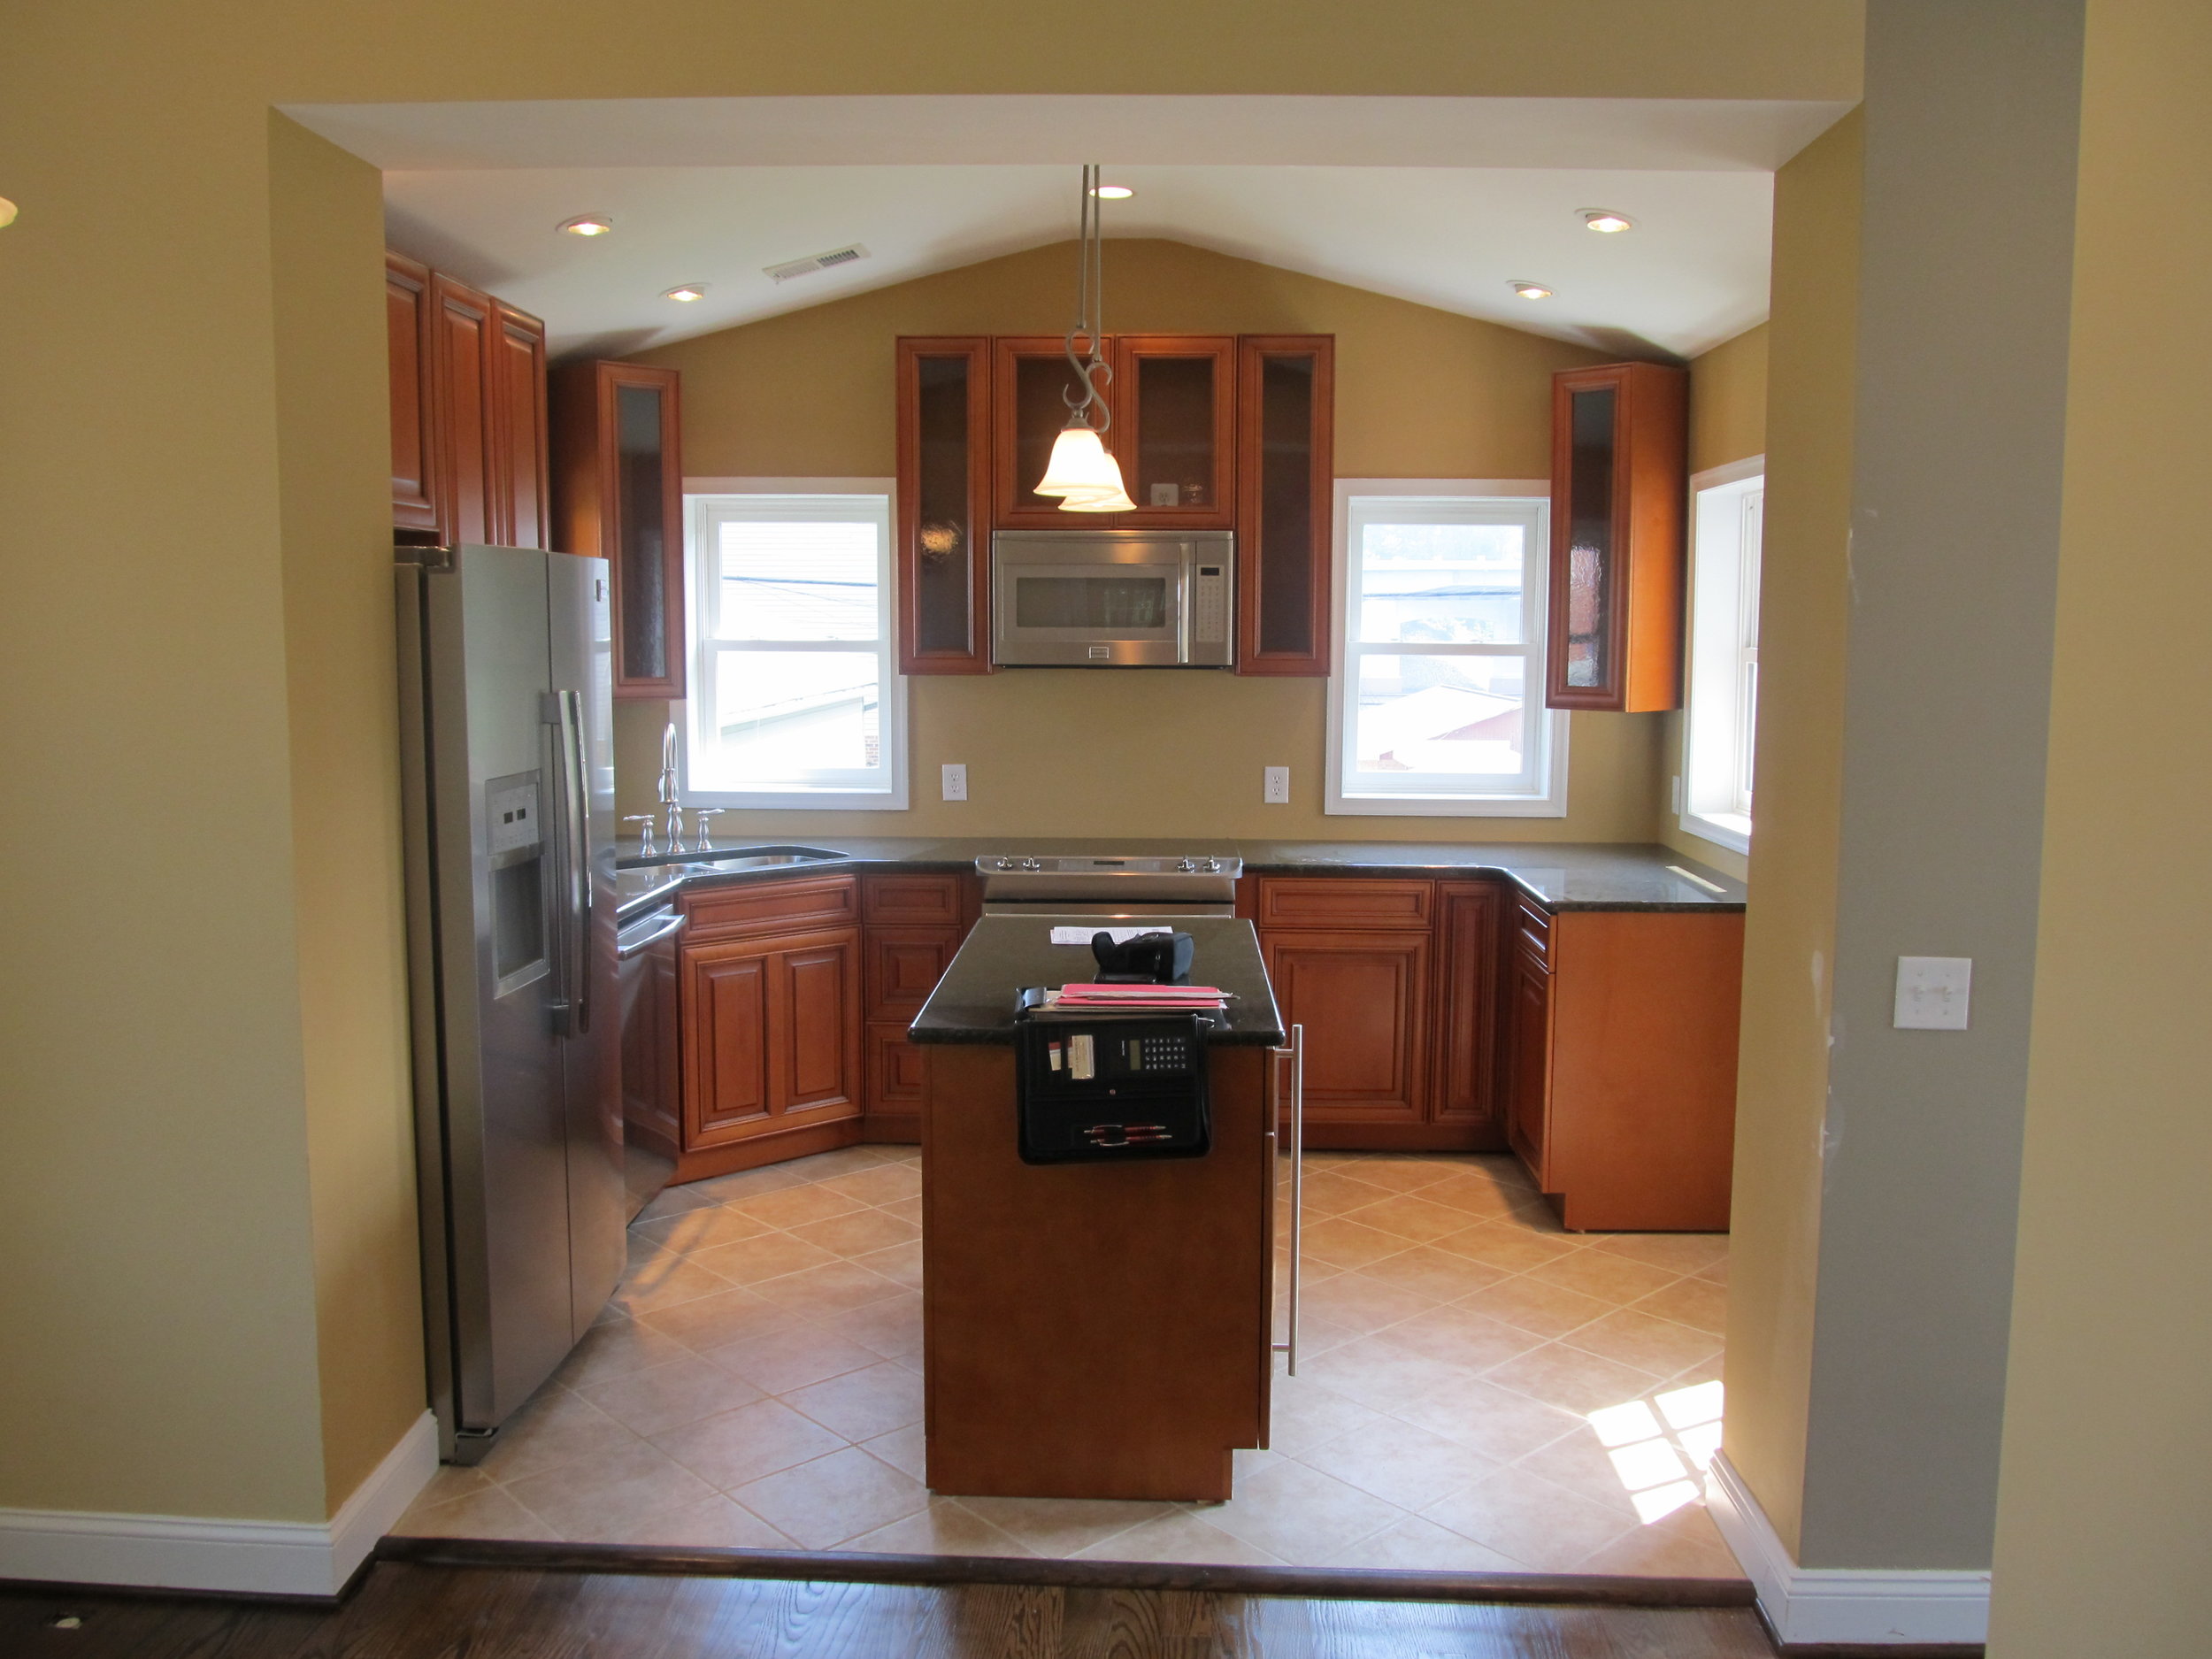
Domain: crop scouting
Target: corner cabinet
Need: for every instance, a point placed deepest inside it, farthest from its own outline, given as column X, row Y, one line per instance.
column 1212, row 432
column 1619, row 490
column 618, row 495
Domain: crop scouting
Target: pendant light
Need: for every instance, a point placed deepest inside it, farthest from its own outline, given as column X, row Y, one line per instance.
column 1082, row 472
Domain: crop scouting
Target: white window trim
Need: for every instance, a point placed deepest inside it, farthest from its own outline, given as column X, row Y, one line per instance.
column 1553, row 802
column 891, row 725
column 1723, row 829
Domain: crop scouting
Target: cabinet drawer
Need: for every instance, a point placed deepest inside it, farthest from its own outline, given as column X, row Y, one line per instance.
column 1336, row 901
column 770, row 907
column 1532, row 931
column 920, row 900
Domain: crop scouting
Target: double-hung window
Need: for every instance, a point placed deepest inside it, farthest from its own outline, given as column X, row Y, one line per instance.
column 795, row 697
column 1437, row 705
column 1727, row 514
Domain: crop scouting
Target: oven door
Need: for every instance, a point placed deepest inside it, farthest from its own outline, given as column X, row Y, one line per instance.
column 1099, row 615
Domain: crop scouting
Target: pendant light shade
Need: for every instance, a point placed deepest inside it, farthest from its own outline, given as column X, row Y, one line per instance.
column 1083, row 475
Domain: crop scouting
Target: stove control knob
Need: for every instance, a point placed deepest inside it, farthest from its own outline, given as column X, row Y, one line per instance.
column 1186, row 865
column 1032, row 864
column 1006, row 863
column 1213, row 866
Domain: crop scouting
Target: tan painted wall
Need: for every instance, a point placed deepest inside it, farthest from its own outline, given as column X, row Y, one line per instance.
column 1728, row 422
column 1421, row 392
column 2105, row 1498
column 1789, row 933
column 166, row 1004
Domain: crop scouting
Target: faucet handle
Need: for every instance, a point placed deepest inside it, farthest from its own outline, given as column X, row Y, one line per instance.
column 645, row 835
column 699, row 817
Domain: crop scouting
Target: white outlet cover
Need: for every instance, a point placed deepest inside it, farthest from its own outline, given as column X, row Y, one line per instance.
column 1275, row 787
column 1933, row 993
column 955, row 777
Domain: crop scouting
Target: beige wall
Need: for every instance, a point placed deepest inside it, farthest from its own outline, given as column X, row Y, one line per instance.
column 1420, row 393
column 1789, row 930
column 1728, row 422
column 194, row 1246
column 2105, row 1501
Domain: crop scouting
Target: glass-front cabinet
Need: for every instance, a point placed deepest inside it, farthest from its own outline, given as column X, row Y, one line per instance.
column 1175, row 429
column 1619, row 488
column 1285, row 474
column 944, row 493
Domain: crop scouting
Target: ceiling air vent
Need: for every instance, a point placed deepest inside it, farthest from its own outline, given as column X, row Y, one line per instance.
column 820, row 262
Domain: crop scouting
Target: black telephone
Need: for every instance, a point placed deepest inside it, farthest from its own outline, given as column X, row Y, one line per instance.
column 1161, row 958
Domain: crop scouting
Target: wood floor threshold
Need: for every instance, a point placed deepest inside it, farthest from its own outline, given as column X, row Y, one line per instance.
column 1548, row 1589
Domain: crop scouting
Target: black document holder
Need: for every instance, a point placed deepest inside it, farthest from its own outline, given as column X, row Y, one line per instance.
column 1144, row 1099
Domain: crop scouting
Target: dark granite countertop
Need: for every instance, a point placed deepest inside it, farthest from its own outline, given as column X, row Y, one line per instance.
column 974, row 1001
column 1558, row 875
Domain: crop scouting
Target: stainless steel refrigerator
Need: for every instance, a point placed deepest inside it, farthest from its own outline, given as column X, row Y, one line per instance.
column 508, row 768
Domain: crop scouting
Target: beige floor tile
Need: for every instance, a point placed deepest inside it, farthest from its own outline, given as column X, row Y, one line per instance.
column 1331, row 1193
column 773, row 1177
column 862, row 1404
column 669, row 1395
column 1414, row 1545
column 904, row 1449
column 1646, row 1341
column 1479, row 1192
column 1316, row 1335
column 826, row 1502
column 902, row 1264
column 1399, row 1173
column 718, row 1523
column 1065, row 1527
column 1346, row 1244
column 795, row 1206
column 604, row 1493
column 792, row 1358
column 1500, row 1424
column 1182, row 1538
column 1357, row 1303
column 770, row 1255
column 859, row 1234
column 1694, row 1302
column 1410, row 1216
column 615, row 1349
column 737, row 1447
column 1705, row 1372
column 1401, row 1462
column 1437, row 1274
column 826, row 1166
column 674, row 1201
column 492, row 1512
column 836, row 1287
column 905, row 1210
column 712, row 1322
column 1379, row 1374
column 451, row 1481
column 1295, row 1512
column 1531, row 1519
column 1506, row 1246
column 1532, row 1305
column 892, row 1328
column 1570, row 1379
column 1306, row 1415
column 555, row 1428
column 942, row 1527
column 1584, row 1465
column 1683, row 1545
column 664, row 1281
column 699, row 1229
column 886, row 1183
column 1683, row 1252
column 1458, row 1335
column 1608, row 1277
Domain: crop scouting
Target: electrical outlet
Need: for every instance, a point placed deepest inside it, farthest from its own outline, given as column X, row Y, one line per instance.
column 956, row 782
column 1933, row 993
column 1275, row 789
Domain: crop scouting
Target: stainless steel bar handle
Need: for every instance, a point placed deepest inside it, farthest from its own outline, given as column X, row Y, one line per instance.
column 1296, row 1055
column 576, row 856
column 628, row 945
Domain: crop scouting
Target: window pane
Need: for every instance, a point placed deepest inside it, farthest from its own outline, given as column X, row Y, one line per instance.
column 1460, row 583
column 803, row 581
column 1441, row 714
column 786, row 714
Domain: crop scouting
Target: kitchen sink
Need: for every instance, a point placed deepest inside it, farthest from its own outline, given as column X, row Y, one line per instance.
column 738, row 858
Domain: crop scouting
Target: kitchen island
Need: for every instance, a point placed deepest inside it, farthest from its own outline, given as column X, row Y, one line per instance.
column 1092, row 1330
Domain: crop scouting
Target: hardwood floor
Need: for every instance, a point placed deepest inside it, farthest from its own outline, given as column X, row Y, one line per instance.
column 403, row 1610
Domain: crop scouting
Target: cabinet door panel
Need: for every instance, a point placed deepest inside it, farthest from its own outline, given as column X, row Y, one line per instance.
column 1466, row 1001
column 1029, row 375
column 904, row 964
column 1528, row 1061
column 944, row 505
column 819, row 1025
column 1363, row 998
column 895, row 1070
column 407, row 321
column 1286, row 472
column 517, row 390
column 727, row 1022
column 1331, row 901
column 1175, row 428
column 461, row 321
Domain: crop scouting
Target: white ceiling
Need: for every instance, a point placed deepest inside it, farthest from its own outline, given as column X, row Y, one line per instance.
column 1442, row 201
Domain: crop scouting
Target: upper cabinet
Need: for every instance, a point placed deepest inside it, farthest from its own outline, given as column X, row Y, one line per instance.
column 1211, row 431
column 468, row 410
column 1619, row 486
column 618, row 495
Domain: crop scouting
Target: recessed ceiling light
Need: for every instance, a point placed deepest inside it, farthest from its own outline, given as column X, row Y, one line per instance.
column 686, row 292
column 1606, row 221
column 7, row 212
column 1113, row 193
column 587, row 225
column 1530, row 290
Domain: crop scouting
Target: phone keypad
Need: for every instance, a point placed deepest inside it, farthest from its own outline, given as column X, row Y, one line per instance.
column 1159, row 1053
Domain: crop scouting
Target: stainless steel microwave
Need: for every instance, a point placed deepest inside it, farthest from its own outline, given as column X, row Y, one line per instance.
column 1113, row 598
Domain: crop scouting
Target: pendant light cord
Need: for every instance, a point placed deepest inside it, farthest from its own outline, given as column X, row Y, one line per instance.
column 1090, row 365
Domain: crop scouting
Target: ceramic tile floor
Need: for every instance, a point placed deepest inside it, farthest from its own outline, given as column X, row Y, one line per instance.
column 1476, row 1389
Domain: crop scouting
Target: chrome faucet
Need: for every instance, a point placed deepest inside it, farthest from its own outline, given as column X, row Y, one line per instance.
column 645, row 834
column 668, row 789
column 699, row 841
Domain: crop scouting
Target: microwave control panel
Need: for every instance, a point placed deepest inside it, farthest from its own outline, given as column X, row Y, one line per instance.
column 1209, row 604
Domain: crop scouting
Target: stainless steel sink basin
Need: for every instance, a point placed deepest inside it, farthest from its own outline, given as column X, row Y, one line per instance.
column 738, row 858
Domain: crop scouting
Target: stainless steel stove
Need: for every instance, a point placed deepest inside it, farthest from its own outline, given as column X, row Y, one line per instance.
column 1101, row 885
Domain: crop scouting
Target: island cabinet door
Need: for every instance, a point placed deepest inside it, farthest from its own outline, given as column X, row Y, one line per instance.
column 1363, row 999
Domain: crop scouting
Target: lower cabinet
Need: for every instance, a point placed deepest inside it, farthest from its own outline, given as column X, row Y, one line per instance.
column 1360, row 997
column 914, row 925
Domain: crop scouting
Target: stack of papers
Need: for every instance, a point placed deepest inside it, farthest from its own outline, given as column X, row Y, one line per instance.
column 1129, row 999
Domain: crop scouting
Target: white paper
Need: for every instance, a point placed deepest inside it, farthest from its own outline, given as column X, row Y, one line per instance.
column 1082, row 935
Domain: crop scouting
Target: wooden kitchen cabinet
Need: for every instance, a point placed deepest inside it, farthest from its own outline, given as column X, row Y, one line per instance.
column 1175, row 422
column 912, row 927
column 1619, row 492
column 1464, row 1092
column 944, row 505
column 1031, row 382
column 1285, row 483
column 618, row 495
column 1526, row 1067
column 652, row 1053
column 414, row 423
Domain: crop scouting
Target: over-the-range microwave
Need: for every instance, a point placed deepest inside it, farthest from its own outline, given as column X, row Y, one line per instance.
column 1113, row 598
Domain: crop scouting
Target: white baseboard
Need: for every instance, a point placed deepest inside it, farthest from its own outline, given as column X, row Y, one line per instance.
column 174, row 1552
column 1841, row 1604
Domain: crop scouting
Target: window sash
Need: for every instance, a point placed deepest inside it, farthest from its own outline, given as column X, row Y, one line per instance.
column 1721, row 686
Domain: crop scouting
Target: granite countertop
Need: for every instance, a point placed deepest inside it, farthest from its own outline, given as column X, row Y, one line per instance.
column 1558, row 875
column 974, row 1001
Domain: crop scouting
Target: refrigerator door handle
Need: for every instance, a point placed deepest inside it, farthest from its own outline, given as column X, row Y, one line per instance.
column 576, row 860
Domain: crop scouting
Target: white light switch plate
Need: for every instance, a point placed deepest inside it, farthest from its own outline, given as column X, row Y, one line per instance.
column 956, row 782
column 1275, row 791
column 1933, row 993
